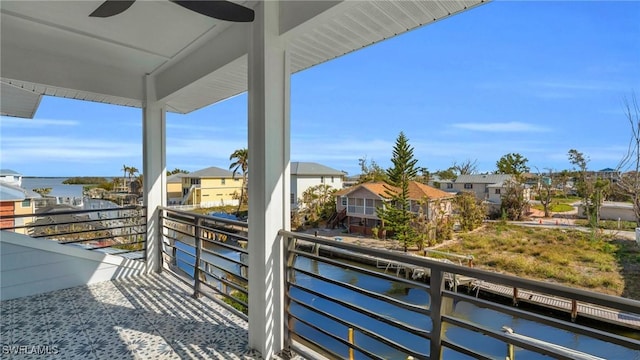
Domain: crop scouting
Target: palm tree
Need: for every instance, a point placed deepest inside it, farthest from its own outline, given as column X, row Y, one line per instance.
column 132, row 172
column 125, row 170
column 241, row 163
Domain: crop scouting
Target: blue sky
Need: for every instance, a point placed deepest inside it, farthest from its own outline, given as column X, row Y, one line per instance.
column 536, row 78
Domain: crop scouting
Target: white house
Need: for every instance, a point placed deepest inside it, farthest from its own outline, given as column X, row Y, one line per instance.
column 308, row 174
column 10, row 177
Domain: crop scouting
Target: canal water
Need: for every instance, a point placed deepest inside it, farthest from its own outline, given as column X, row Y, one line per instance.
column 414, row 295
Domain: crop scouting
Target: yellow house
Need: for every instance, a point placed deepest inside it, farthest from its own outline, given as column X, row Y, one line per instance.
column 212, row 186
column 15, row 200
column 174, row 189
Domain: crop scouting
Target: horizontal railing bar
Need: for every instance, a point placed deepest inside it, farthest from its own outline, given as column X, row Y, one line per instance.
column 224, row 304
column 339, row 339
column 75, row 212
column 224, row 281
column 98, row 222
column 367, row 332
column 499, row 336
column 180, row 231
column 371, row 294
column 531, row 316
column 224, row 294
column 95, row 238
column 464, row 350
column 239, row 276
column 224, row 257
column 223, row 231
column 360, row 269
column 303, row 340
column 513, row 281
column 361, row 310
column 240, row 224
column 226, row 246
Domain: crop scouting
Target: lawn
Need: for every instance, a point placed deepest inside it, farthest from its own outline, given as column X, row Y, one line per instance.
column 555, row 207
column 569, row 257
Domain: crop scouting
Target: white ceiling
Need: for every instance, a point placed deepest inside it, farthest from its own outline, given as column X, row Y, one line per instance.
column 54, row 48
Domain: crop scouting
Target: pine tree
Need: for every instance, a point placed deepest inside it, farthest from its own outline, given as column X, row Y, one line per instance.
column 396, row 215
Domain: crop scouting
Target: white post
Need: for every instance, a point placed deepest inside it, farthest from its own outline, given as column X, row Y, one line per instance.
column 153, row 170
column 269, row 208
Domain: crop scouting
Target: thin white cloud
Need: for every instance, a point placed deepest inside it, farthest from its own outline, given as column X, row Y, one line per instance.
column 513, row 126
column 34, row 123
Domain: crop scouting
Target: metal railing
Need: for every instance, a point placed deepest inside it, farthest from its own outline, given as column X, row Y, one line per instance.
column 209, row 254
column 118, row 231
column 340, row 307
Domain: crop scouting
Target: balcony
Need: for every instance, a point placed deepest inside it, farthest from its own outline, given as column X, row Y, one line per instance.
column 341, row 300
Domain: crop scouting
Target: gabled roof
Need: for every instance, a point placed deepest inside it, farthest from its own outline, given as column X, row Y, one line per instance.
column 210, row 172
column 417, row 191
column 4, row 172
column 312, row 168
column 483, row 178
column 10, row 192
column 175, row 178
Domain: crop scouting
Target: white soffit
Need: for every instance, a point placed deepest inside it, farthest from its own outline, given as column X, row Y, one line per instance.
column 18, row 102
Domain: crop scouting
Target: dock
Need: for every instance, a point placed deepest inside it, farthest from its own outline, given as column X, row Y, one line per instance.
column 572, row 307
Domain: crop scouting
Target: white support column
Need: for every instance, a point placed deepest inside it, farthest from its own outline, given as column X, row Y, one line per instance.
column 269, row 208
column 154, row 170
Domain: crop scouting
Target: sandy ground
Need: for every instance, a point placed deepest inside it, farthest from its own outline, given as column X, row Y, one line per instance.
column 356, row 239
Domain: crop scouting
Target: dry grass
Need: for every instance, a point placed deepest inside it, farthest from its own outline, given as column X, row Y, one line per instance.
column 573, row 258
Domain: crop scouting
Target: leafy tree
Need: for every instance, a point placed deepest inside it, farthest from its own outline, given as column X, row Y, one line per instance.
column 545, row 191
column 466, row 167
column 132, row 171
column 425, row 175
column 432, row 224
column 176, row 171
column 370, row 171
column 512, row 164
column 563, row 178
column 584, row 185
column 470, row 211
column 629, row 182
column 319, row 201
column 240, row 163
column 513, row 202
column 125, row 171
column 448, row 174
column 397, row 215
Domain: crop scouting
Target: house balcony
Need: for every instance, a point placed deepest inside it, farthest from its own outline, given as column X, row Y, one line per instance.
column 341, row 301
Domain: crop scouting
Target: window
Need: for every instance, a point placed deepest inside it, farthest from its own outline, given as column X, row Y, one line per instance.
column 498, row 191
column 449, row 185
column 222, row 181
column 322, row 179
column 332, row 179
column 468, row 186
column 344, row 201
column 26, row 203
column 293, row 198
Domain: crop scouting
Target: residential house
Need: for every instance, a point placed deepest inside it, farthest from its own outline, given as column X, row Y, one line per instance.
column 174, row 189
column 15, row 200
column 212, row 186
column 360, row 202
column 487, row 187
column 442, row 184
column 308, row 174
column 10, row 177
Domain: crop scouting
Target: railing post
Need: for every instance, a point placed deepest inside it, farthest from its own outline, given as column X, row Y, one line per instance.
column 436, row 286
column 289, row 246
column 351, row 341
column 196, row 269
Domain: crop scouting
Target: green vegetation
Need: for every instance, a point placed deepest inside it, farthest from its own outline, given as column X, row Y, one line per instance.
column 236, row 305
column 573, row 258
column 84, row 180
column 610, row 224
column 555, row 207
column 244, row 210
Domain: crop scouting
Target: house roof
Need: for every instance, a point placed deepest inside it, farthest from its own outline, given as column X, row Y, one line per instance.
column 10, row 192
column 55, row 48
column 483, row 178
column 417, row 191
column 175, row 178
column 210, row 172
column 312, row 168
column 4, row 172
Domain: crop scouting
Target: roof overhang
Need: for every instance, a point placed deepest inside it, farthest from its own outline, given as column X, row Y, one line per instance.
column 54, row 48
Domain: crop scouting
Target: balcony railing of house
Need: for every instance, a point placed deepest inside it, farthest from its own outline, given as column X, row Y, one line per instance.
column 343, row 300
column 208, row 254
column 117, row 231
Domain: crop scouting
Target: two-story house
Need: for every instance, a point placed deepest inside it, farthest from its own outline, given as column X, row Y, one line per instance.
column 361, row 201
column 15, row 200
column 10, row 177
column 174, row 189
column 487, row 187
column 308, row 174
column 212, row 186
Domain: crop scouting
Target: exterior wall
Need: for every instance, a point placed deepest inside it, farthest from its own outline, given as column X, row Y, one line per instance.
column 7, row 208
column 479, row 190
column 300, row 184
column 174, row 193
column 25, row 207
column 211, row 191
column 496, row 198
column 361, row 203
column 613, row 211
column 34, row 266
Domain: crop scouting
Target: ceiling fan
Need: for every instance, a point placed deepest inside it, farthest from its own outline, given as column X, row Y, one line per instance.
column 223, row 10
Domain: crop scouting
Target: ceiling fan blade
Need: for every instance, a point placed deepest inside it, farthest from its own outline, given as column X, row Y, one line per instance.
column 223, row 10
column 111, row 7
